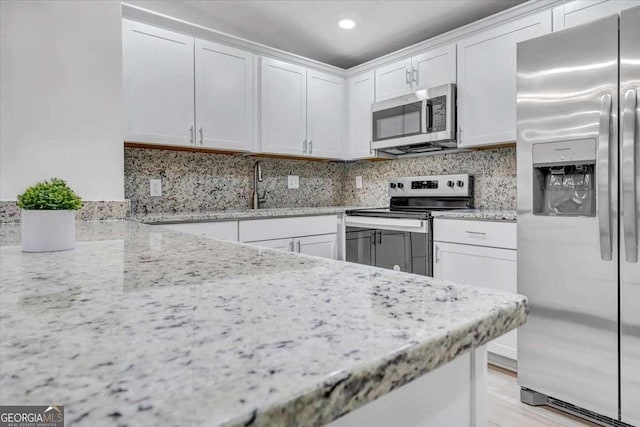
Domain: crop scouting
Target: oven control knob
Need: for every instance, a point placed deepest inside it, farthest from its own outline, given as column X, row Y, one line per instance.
column 400, row 185
column 450, row 184
column 392, row 185
column 460, row 183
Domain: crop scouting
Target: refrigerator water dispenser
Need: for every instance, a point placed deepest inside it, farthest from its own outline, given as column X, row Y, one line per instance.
column 564, row 178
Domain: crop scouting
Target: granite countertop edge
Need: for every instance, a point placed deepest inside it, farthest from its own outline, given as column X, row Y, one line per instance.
column 347, row 390
column 230, row 215
column 506, row 215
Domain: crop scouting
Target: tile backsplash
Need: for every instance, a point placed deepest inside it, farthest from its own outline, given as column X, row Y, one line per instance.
column 205, row 182
column 494, row 173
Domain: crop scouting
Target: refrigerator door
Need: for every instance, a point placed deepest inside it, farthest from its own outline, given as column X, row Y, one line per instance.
column 630, row 223
column 567, row 84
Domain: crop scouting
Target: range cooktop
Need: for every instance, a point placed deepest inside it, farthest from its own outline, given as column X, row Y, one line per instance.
column 416, row 196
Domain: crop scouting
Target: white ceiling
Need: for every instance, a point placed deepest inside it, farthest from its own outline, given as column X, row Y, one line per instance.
column 310, row 27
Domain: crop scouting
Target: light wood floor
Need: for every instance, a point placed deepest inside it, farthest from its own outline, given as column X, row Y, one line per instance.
column 506, row 410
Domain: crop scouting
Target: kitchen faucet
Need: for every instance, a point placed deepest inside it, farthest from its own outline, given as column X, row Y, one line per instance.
column 257, row 177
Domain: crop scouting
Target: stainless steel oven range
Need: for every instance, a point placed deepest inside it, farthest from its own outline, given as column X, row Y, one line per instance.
column 400, row 237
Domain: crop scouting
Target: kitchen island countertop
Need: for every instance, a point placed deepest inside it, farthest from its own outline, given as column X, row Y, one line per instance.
column 149, row 327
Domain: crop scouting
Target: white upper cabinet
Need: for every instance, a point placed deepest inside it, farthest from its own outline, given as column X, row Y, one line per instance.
column 283, row 107
column 224, row 97
column 325, row 114
column 393, row 79
column 158, row 82
column 582, row 11
column 435, row 67
column 487, row 80
column 361, row 94
column 432, row 68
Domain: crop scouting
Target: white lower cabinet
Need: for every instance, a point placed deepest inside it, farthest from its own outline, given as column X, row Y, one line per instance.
column 310, row 235
column 324, row 245
column 462, row 258
column 279, row 244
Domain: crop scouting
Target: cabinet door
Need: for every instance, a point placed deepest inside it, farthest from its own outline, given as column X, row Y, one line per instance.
column 157, row 85
column 224, row 97
column 361, row 96
column 582, row 11
column 279, row 244
column 487, row 81
column 435, row 67
column 480, row 266
column 325, row 114
column 393, row 80
column 322, row 246
column 283, row 104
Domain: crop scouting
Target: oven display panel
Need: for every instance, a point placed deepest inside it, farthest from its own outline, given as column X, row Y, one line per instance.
column 420, row 185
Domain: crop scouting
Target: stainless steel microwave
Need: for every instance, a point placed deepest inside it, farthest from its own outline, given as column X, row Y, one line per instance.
column 420, row 122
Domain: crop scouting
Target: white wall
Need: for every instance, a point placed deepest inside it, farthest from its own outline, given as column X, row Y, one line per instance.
column 61, row 108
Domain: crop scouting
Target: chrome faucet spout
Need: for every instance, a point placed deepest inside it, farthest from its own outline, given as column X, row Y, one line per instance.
column 257, row 177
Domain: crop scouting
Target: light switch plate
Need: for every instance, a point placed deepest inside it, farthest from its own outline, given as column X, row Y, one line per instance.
column 293, row 181
column 155, row 187
column 358, row 182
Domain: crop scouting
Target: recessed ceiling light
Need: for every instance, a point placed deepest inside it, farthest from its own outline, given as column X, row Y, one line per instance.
column 347, row 24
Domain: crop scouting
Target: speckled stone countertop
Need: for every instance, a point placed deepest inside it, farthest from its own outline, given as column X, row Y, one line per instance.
column 154, row 218
column 477, row 214
column 145, row 327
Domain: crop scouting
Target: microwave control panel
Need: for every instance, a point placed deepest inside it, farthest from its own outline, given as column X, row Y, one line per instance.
column 438, row 114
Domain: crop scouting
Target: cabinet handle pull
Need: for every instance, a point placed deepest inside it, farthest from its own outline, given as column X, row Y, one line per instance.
column 291, row 246
column 407, row 76
column 310, row 146
column 191, row 135
column 437, row 254
column 415, row 75
column 299, row 245
column 201, row 136
column 479, row 233
column 304, row 147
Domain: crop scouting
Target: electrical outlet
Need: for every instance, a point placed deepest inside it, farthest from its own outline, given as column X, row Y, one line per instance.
column 358, row 182
column 293, row 181
column 155, row 187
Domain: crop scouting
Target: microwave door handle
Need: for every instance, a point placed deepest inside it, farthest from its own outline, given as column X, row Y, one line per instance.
column 629, row 175
column 426, row 116
column 604, row 188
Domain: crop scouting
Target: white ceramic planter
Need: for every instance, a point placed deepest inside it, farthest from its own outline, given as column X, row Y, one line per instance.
column 48, row 231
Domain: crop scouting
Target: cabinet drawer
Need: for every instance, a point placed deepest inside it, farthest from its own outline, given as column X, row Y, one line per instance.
column 280, row 228
column 480, row 233
column 223, row 230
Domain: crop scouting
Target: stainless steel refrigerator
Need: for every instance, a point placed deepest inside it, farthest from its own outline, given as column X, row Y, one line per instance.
column 578, row 219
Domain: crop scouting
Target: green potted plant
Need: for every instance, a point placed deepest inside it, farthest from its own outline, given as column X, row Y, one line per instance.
column 48, row 218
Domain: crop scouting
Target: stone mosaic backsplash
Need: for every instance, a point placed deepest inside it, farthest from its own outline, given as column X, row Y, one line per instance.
column 208, row 182
column 494, row 173
column 91, row 211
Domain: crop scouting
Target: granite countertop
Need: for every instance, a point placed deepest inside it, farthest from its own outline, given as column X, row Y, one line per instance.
column 169, row 217
column 478, row 214
column 147, row 327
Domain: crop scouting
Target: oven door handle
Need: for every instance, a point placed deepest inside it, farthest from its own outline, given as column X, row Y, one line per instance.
column 399, row 224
